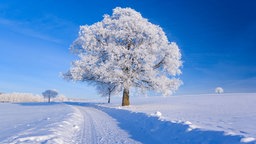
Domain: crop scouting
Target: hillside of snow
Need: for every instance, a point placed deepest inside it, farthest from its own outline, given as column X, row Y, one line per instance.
column 232, row 113
column 208, row 119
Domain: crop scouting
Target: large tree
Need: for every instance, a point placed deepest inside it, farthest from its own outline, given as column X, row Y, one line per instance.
column 128, row 51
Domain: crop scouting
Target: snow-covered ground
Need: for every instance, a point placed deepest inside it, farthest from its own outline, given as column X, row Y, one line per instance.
column 231, row 113
column 208, row 119
column 36, row 123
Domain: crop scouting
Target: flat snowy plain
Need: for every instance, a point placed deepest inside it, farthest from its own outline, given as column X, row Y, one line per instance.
column 190, row 119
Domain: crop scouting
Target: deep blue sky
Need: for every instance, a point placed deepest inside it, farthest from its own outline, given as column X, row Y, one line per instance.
column 217, row 39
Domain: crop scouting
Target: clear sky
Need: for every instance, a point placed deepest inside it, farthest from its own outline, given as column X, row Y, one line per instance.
column 217, row 39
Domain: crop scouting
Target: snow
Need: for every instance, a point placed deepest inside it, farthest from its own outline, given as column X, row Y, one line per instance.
column 98, row 127
column 37, row 123
column 248, row 139
column 210, row 119
column 232, row 114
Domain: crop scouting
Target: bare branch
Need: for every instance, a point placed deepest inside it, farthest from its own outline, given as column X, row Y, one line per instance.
column 159, row 64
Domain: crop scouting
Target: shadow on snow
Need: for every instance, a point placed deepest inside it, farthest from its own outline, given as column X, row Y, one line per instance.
column 38, row 103
column 151, row 130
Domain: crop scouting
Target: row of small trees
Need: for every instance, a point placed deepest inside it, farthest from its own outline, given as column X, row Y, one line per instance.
column 20, row 97
column 52, row 94
column 28, row 97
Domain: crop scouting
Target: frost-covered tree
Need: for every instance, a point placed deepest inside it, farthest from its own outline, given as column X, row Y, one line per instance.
column 20, row 97
column 219, row 90
column 50, row 94
column 127, row 50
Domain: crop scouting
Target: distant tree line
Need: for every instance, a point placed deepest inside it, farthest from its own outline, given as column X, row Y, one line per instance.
column 20, row 97
column 27, row 97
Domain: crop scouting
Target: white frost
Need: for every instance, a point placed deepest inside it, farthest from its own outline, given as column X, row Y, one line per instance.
column 248, row 139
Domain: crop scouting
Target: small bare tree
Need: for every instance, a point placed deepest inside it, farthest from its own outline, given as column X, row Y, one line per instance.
column 50, row 94
column 107, row 89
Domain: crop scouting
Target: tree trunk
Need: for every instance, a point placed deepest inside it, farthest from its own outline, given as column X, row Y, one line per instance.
column 126, row 100
column 108, row 98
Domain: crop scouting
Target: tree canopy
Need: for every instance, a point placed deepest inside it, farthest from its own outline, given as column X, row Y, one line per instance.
column 219, row 90
column 50, row 94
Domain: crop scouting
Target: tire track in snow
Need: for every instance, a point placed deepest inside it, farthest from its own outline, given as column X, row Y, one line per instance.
column 99, row 127
column 88, row 134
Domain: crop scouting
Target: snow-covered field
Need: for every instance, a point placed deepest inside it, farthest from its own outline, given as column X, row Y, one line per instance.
column 191, row 119
column 232, row 113
column 33, row 123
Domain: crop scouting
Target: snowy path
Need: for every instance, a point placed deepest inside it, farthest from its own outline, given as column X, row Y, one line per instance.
column 98, row 127
column 103, row 124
